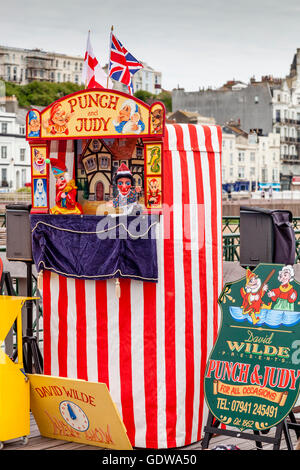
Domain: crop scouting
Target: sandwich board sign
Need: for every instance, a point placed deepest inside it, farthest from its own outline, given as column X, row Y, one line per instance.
column 252, row 375
column 77, row 411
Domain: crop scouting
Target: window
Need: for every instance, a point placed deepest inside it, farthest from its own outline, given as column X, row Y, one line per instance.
column 252, row 156
column 231, row 159
column 23, row 177
column 241, row 156
column 4, row 176
column 252, row 171
column 3, row 127
column 241, row 172
column 256, row 99
column 104, row 162
column 3, row 152
column 275, row 174
column 22, row 155
column 231, row 171
column 264, row 175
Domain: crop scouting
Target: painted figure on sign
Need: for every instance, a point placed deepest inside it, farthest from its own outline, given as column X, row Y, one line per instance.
column 39, row 161
column 127, row 194
column 154, row 162
column 285, row 295
column 157, row 121
column 40, row 193
column 65, row 190
column 58, row 121
column 34, row 124
column 252, row 295
column 154, row 193
column 129, row 120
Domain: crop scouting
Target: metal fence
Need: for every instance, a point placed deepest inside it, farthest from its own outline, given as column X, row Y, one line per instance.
column 231, row 238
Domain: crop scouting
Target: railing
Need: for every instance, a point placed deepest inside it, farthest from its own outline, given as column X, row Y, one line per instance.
column 231, row 238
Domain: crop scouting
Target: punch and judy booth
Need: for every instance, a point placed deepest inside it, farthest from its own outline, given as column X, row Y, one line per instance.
column 126, row 232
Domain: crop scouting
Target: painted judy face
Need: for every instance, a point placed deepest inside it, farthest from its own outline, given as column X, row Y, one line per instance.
column 124, row 113
column 284, row 276
column 124, row 185
column 61, row 182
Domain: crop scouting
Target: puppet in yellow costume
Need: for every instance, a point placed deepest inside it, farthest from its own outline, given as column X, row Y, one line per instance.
column 65, row 190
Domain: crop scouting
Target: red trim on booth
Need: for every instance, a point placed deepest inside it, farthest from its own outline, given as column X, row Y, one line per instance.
column 81, row 329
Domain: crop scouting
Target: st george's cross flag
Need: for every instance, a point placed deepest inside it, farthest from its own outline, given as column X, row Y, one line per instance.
column 122, row 64
column 93, row 76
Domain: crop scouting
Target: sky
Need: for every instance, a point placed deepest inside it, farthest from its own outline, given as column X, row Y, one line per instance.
column 194, row 43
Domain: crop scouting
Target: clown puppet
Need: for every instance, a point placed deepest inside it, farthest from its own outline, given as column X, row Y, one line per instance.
column 127, row 194
column 65, row 190
column 252, row 295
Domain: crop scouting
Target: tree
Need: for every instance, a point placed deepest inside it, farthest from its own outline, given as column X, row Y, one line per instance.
column 40, row 93
column 149, row 98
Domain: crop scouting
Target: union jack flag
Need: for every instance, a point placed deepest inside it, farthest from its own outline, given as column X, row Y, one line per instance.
column 122, row 64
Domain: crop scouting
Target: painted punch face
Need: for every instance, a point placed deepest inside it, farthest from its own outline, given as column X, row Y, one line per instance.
column 59, row 117
column 254, row 284
column 124, row 185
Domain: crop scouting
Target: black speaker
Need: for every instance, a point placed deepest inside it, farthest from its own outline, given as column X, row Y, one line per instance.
column 18, row 233
column 266, row 236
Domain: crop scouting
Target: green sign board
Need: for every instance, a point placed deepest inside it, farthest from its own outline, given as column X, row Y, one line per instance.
column 252, row 375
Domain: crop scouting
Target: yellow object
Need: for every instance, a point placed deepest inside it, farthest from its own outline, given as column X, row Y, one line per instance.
column 14, row 384
column 77, row 410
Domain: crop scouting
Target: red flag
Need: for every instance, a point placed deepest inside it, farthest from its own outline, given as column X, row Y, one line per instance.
column 92, row 74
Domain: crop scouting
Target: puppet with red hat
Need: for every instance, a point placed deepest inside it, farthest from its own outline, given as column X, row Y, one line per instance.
column 127, row 194
column 65, row 190
column 252, row 294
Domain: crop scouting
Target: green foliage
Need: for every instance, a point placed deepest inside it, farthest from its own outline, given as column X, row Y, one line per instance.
column 147, row 97
column 40, row 93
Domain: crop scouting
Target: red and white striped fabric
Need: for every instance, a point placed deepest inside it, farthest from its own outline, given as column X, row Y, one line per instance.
column 151, row 346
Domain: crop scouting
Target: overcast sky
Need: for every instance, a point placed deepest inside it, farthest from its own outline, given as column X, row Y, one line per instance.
column 194, row 43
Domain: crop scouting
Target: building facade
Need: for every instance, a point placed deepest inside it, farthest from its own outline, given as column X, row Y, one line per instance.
column 15, row 168
column 146, row 79
column 23, row 66
column 250, row 162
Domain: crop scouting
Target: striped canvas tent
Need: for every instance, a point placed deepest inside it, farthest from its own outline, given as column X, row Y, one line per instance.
column 151, row 346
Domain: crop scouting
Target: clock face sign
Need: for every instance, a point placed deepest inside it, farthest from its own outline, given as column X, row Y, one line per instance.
column 74, row 415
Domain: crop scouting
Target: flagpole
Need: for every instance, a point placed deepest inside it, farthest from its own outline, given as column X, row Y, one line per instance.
column 85, row 85
column 111, row 31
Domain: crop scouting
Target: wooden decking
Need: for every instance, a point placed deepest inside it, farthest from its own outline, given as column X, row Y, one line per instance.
column 38, row 442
